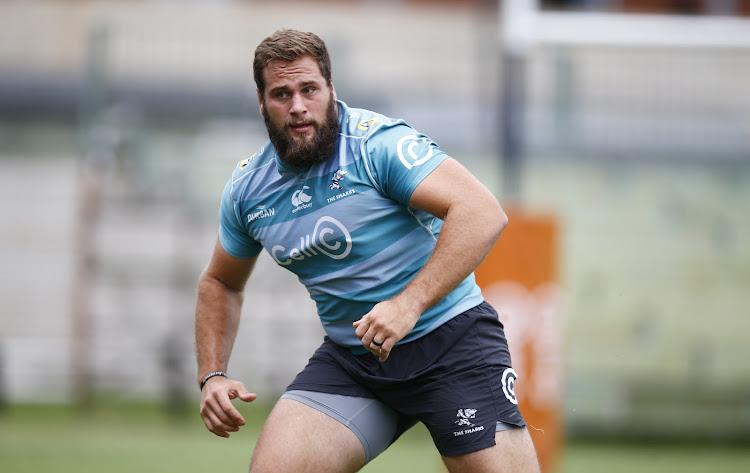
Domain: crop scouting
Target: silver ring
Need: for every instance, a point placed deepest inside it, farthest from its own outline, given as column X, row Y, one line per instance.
column 377, row 344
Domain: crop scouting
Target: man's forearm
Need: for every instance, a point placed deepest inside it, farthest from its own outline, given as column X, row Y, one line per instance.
column 217, row 318
column 467, row 236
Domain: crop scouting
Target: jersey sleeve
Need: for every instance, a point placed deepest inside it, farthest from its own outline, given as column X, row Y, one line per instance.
column 399, row 158
column 233, row 237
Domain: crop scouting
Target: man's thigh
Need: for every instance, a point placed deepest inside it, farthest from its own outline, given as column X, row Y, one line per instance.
column 297, row 438
column 513, row 452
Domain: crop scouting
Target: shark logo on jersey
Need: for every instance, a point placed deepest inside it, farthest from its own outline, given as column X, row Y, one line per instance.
column 413, row 151
column 339, row 176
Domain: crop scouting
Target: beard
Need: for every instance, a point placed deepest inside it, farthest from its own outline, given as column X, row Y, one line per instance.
column 306, row 152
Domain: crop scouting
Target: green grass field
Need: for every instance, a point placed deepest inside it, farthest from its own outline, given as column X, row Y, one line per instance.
column 143, row 438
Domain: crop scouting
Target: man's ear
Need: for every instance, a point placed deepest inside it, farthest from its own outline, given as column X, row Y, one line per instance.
column 333, row 90
column 260, row 102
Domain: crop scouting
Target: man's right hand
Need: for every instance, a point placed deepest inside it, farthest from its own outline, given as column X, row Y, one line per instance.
column 217, row 410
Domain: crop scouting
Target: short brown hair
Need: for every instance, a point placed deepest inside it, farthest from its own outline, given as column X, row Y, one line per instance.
column 289, row 45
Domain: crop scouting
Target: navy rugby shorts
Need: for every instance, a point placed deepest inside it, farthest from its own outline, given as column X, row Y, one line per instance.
column 457, row 380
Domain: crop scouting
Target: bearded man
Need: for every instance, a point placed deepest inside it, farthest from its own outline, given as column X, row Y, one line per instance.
column 384, row 230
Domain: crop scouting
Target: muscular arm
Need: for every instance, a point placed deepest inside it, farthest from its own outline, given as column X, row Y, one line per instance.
column 217, row 316
column 473, row 221
column 217, row 313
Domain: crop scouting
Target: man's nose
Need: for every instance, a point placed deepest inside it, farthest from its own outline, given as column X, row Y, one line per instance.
column 298, row 106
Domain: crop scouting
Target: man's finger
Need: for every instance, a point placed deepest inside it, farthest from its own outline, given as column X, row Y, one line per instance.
column 373, row 337
column 230, row 415
column 215, row 425
column 215, row 405
column 240, row 391
column 215, row 416
column 246, row 395
column 361, row 328
column 385, row 349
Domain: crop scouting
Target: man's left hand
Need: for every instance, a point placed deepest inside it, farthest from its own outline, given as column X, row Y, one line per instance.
column 384, row 326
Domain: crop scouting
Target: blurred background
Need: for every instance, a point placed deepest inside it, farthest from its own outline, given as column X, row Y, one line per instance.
column 625, row 121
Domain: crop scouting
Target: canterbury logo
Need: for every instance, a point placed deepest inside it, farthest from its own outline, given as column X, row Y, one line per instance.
column 299, row 197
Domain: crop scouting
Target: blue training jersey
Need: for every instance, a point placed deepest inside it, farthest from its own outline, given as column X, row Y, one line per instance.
column 344, row 227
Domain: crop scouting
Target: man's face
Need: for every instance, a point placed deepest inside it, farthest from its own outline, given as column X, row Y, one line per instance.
column 300, row 112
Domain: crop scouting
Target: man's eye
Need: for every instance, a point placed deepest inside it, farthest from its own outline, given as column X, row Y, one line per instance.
column 282, row 94
column 309, row 90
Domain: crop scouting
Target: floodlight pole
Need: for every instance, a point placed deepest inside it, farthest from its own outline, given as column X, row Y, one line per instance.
column 516, row 24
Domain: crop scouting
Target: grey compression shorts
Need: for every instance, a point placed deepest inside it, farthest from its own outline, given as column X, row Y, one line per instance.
column 375, row 424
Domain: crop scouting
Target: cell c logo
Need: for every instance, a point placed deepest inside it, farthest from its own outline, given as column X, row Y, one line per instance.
column 325, row 239
column 407, row 146
column 321, row 232
column 509, row 385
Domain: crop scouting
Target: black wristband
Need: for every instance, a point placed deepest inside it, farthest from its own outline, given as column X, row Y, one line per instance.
column 211, row 375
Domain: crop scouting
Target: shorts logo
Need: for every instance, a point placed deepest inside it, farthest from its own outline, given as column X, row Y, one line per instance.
column 366, row 124
column 464, row 415
column 509, row 385
column 413, row 151
column 463, row 420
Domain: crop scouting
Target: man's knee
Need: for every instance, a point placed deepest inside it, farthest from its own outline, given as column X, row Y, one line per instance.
column 513, row 452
